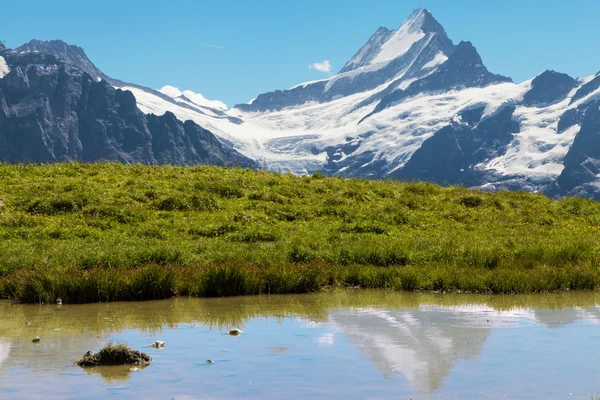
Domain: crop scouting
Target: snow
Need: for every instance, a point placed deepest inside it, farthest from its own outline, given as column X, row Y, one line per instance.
column 4, row 70
column 365, row 54
column 152, row 104
column 401, row 41
column 297, row 138
column 302, row 85
column 200, row 100
column 538, row 150
column 171, row 91
column 395, row 133
column 398, row 45
column 195, row 98
column 375, row 67
column 439, row 59
column 354, row 73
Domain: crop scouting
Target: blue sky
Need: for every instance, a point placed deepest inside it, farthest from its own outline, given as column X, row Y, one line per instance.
column 233, row 50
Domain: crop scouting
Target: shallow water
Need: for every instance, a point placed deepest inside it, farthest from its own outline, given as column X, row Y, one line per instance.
column 346, row 344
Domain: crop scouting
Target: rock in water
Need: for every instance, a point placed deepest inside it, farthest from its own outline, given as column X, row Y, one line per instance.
column 114, row 354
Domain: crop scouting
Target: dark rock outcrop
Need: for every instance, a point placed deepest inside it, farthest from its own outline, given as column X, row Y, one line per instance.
column 581, row 172
column 549, row 87
column 53, row 111
column 76, row 56
column 69, row 54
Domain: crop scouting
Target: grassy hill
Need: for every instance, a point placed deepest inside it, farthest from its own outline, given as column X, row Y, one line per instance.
column 103, row 232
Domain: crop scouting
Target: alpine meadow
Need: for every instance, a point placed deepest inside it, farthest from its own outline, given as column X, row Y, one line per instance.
column 105, row 232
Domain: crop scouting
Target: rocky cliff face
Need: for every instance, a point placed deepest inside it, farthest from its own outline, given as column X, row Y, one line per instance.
column 581, row 173
column 52, row 110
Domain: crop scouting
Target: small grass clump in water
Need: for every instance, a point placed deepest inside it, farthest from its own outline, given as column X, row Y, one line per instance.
column 114, row 354
column 107, row 232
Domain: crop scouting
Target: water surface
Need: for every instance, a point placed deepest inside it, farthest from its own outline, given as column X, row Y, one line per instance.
column 346, row 345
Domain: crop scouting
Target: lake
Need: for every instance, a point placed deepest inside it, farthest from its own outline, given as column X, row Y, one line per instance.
column 351, row 344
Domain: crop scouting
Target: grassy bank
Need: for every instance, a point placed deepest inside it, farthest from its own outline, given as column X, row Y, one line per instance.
column 104, row 232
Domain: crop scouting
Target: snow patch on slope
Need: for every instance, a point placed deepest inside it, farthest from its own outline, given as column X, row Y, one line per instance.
column 151, row 104
column 538, row 150
column 376, row 66
column 4, row 70
column 195, row 98
column 398, row 45
column 401, row 41
column 439, row 59
column 171, row 91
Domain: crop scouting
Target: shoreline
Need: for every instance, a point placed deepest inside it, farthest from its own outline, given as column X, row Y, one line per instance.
column 160, row 282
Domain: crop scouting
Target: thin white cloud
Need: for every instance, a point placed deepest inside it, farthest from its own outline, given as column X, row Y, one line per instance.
column 214, row 46
column 324, row 66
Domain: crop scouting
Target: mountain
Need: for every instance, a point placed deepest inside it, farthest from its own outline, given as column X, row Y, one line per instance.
column 409, row 53
column 54, row 110
column 410, row 104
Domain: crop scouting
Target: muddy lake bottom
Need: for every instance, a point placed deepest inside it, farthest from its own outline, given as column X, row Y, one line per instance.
column 341, row 344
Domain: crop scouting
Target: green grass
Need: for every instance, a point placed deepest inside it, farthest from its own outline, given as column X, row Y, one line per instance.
column 106, row 232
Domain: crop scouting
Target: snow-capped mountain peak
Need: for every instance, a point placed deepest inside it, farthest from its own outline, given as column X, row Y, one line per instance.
column 386, row 45
column 390, row 59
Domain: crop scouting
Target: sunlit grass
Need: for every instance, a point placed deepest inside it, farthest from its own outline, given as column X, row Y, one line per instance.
column 103, row 232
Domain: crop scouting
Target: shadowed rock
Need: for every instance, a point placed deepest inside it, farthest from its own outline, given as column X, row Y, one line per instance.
column 549, row 87
column 54, row 111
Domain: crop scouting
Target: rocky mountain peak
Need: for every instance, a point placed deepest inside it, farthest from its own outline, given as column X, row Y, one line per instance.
column 67, row 53
column 422, row 19
column 549, row 87
column 386, row 44
column 465, row 54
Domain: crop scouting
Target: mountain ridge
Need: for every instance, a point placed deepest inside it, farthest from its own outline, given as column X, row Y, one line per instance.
column 410, row 113
column 54, row 111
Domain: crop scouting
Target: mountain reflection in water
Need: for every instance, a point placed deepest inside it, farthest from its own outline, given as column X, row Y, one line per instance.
column 415, row 337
